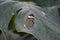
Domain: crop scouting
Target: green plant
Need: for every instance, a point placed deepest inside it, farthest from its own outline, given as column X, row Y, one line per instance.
column 46, row 19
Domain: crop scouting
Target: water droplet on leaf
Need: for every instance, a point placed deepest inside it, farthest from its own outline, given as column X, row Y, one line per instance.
column 12, row 13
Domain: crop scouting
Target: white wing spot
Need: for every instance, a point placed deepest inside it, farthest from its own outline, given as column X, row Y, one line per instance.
column 30, row 17
column 24, row 25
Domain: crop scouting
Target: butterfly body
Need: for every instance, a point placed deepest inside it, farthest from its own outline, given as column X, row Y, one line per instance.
column 29, row 22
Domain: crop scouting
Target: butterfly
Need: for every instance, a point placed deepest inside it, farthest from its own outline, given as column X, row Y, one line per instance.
column 29, row 22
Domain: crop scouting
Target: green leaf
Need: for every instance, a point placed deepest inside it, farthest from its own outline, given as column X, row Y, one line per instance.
column 46, row 21
column 11, row 23
column 25, row 0
column 47, row 3
column 43, row 3
column 7, row 10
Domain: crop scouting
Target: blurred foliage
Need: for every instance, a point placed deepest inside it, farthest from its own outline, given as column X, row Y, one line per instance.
column 43, row 3
column 13, row 14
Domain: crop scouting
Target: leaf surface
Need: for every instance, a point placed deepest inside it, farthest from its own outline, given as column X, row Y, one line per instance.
column 7, row 10
column 47, row 20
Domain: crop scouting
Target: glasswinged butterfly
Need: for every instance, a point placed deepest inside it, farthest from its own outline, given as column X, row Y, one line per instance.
column 29, row 22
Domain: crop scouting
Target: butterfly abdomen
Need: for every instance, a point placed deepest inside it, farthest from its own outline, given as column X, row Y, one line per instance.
column 29, row 22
